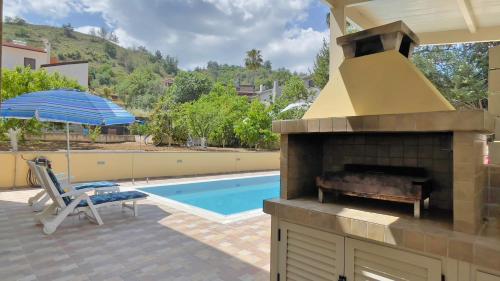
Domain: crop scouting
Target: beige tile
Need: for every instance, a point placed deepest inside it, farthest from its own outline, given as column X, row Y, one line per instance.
column 414, row 240
column 276, row 127
column 339, row 124
column 343, row 225
column 375, row 232
column 393, row 236
column 494, row 57
column 493, row 83
column 359, row 228
column 436, row 244
column 312, row 125
column 326, row 125
column 460, row 250
column 354, row 124
column 487, row 256
column 370, row 123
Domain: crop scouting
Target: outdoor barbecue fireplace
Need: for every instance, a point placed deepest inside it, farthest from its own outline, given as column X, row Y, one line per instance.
column 380, row 129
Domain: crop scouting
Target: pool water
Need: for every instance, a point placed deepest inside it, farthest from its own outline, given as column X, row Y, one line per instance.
column 225, row 197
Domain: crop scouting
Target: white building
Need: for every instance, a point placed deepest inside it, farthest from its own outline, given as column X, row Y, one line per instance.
column 16, row 54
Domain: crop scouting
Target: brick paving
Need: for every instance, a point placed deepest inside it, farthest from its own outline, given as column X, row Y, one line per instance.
column 162, row 243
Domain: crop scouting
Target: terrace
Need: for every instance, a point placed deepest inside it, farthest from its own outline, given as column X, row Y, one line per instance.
column 162, row 243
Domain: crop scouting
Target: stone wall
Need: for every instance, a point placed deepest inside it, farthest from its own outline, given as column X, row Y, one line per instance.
column 469, row 181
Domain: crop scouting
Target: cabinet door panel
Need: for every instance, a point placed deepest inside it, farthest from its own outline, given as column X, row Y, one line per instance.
column 482, row 276
column 308, row 254
column 368, row 261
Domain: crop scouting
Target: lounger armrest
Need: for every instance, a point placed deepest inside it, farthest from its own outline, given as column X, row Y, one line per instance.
column 73, row 193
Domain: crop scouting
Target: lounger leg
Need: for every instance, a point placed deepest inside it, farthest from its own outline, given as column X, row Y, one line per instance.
column 95, row 214
column 35, row 198
column 38, row 206
column 321, row 196
column 136, row 213
column 416, row 209
column 49, row 211
column 50, row 227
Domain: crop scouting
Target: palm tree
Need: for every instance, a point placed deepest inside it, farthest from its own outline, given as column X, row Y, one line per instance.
column 254, row 59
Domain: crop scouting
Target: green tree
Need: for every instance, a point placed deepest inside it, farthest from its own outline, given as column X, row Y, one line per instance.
column 169, row 121
column 141, row 89
column 255, row 129
column 294, row 91
column 68, row 30
column 254, row 60
column 110, row 50
column 25, row 80
column 231, row 109
column 189, row 86
column 459, row 72
column 321, row 68
column 201, row 117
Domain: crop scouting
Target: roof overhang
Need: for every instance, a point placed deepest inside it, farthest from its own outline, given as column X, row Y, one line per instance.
column 434, row 21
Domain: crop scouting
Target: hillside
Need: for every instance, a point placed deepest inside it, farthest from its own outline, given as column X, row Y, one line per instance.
column 115, row 71
column 99, row 52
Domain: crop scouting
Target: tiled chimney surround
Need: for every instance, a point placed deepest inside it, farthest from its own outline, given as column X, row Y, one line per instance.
column 451, row 145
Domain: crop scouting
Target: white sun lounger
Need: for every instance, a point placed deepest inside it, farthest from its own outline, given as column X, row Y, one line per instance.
column 38, row 201
column 74, row 202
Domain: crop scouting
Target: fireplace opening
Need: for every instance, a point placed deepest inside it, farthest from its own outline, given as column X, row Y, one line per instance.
column 421, row 161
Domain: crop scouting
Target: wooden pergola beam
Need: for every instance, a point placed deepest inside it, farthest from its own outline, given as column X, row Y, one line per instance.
column 468, row 14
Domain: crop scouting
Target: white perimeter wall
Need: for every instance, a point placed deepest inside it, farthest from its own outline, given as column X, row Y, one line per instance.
column 76, row 71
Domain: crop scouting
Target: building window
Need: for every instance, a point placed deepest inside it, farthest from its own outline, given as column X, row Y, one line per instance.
column 30, row 62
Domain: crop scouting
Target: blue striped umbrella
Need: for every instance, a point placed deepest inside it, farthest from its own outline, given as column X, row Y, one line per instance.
column 66, row 106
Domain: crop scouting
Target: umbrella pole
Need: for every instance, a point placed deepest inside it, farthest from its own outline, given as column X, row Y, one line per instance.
column 67, row 152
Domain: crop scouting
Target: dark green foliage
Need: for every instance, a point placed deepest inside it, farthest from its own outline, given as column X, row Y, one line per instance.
column 68, row 30
column 293, row 91
column 189, row 86
column 15, row 20
column 110, row 50
column 22, row 32
column 141, row 89
column 253, row 60
column 322, row 66
column 234, row 75
column 255, row 129
column 460, row 72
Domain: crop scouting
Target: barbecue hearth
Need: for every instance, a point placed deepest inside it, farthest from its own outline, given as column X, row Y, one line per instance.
column 391, row 183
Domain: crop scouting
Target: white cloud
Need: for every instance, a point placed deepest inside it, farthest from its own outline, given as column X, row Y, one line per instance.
column 296, row 48
column 197, row 31
column 56, row 9
column 86, row 29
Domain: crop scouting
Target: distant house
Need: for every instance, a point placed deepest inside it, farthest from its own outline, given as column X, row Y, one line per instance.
column 246, row 90
column 78, row 70
column 269, row 95
column 17, row 53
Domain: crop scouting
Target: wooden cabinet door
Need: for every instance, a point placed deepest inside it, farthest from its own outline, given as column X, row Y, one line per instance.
column 483, row 276
column 368, row 261
column 308, row 254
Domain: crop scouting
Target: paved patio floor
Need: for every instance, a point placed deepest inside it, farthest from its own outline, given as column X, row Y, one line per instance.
column 162, row 243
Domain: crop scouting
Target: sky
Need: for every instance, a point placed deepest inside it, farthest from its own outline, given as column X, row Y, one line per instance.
column 289, row 33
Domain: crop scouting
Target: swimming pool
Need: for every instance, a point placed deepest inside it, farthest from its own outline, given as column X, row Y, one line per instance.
column 223, row 197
